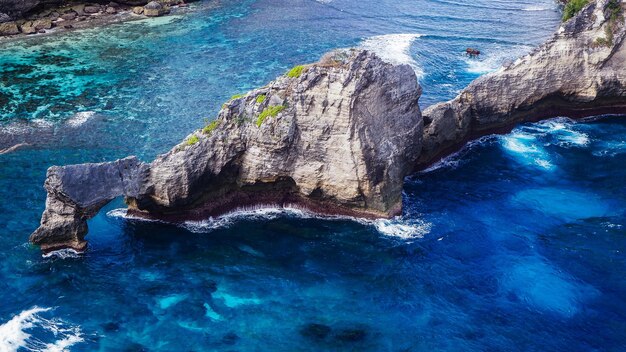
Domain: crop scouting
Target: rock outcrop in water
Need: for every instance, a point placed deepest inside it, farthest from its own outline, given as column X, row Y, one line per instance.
column 22, row 17
column 336, row 137
column 339, row 136
column 579, row 72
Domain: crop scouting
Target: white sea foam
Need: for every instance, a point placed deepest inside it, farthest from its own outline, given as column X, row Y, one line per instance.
column 525, row 148
column 527, row 143
column 562, row 130
column 16, row 334
column 396, row 227
column 261, row 212
column 537, row 8
column 123, row 213
column 63, row 344
column 492, row 60
column 610, row 148
column 158, row 21
column 80, row 118
column 63, row 254
column 404, row 229
column 395, row 49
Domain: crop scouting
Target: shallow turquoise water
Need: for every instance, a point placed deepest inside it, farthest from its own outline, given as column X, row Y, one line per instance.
column 516, row 243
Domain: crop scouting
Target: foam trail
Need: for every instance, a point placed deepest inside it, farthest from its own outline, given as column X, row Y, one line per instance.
column 16, row 333
column 123, row 213
column 403, row 229
column 537, row 8
column 492, row 60
column 525, row 148
column 395, row 49
column 396, row 227
column 63, row 254
column 80, row 118
column 562, row 130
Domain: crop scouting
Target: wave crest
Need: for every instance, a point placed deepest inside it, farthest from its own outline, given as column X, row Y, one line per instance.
column 396, row 227
column 16, row 333
column 395, row 49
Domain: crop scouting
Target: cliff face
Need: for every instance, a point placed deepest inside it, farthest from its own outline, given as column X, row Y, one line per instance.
column 337, row 137
column 13, row 9
column 580, row 71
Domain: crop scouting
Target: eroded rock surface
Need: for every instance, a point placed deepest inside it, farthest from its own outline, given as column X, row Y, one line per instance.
column 77, row 192
column 337, row 137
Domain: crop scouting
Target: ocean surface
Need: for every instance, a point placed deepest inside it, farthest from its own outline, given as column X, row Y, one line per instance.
column 516, row 243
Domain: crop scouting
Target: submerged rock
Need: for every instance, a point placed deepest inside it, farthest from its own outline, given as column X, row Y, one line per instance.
column 315, row 331
column 337, row 137
column 351, row 335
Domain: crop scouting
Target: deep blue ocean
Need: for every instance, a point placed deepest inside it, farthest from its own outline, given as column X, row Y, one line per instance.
column 516, row 243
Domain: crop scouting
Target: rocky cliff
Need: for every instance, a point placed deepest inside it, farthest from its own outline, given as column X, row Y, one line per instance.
column 337, row 137
column 580, row 71
column 340, row 135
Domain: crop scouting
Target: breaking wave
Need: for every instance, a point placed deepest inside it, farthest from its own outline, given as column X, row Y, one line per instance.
column 526, row 148
column 528, row 143
column 17, row 333
column 395, row 49
column 63, row 254
column 396, row 227
column 492, row 60
column 537, row 8
column 562, row 130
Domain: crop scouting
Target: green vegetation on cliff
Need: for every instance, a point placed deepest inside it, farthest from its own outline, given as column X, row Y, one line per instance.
column 192, row 140
column 210, row 127
column 295, row 72
column 572, row 7
column 615, row 13
column 269, row 111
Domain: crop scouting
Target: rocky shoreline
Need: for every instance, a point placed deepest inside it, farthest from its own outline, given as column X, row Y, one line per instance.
column 63, row 16
column 339, row 136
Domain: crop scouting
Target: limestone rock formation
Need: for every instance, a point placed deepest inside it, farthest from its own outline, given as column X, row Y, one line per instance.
column 337, row 137
column 154, row 9
column 77, row 192
column 340, row 135
column 580, row 71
